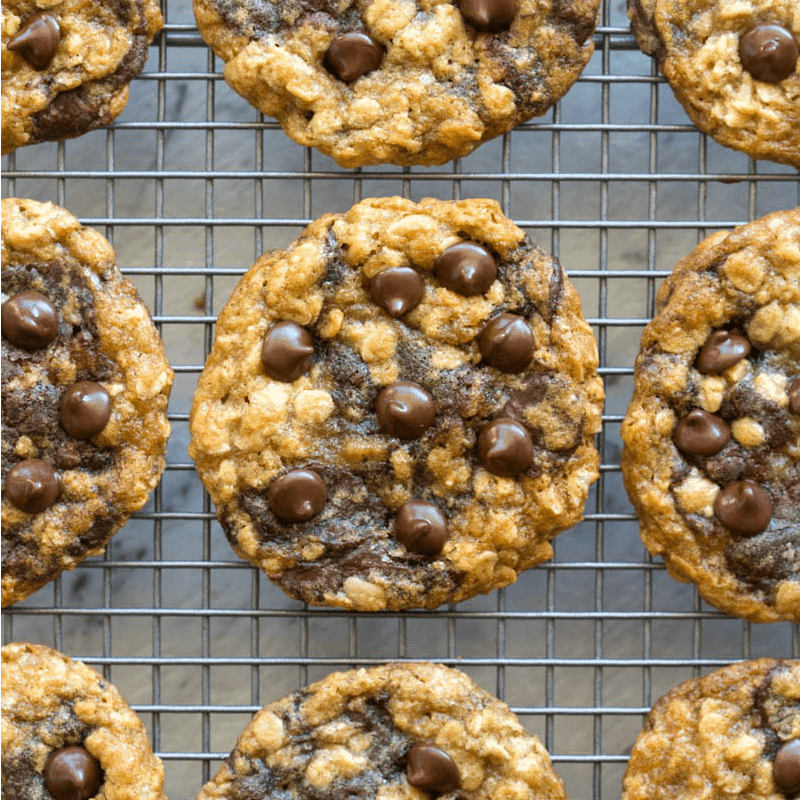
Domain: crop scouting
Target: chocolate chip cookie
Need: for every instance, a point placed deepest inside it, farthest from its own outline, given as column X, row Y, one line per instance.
column 712, row 435
column 399, row 409
column 67, row 65
column 405, row 730
column 68, row 734
column 84, row 390
column 399, row 82
column 733, row 733
column 733, row 67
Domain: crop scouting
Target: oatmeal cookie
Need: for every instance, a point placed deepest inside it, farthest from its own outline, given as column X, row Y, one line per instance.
column 712, row 436
column 399, row 409
column 84, row 390
column 399, row 82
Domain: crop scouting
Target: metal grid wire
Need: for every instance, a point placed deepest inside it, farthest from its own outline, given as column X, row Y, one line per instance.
column 190, row 185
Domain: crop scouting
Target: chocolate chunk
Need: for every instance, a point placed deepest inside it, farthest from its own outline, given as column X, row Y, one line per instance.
column 431, row 769
column 506, row 342
column 722, row 349
column 794, row 396
column 37, row 41
column 85, row 409
column 32, row 485
column 505, row 447
column 398, row 290
column 72, row 773
column 786, row 768
column 744, row 507
column 287, row 352
column 488, row 15
column 405, row 410
column 351, row 55
column 421, row 527
column 298, row 495
column 29, row 320
column 466, row 268
column 701, row 433
column 768, row 52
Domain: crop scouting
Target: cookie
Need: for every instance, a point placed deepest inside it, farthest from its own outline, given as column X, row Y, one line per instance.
column 68, row 734
column 733, row 733
column 712, row 436
column 403, row 730
column 398, row 410
column 399, row 82
column 732, row 65
column 67, row 65
column 84, row 390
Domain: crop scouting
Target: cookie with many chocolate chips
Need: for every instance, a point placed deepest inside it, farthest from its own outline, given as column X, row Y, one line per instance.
column 712, row 435
column 399, row 731
column 733, row 733
column 399, row 82
column 68, row 734
column 84, row 390
column 733, row 67
column 66, row 65
column 383, row 424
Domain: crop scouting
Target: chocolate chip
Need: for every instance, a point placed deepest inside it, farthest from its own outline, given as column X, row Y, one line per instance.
column 298, row 495
column 505, row 447
column 794, row 396
column 506, row 342
column 786, row 768
column 32, row 485
column 405, row 410
column 37, row 41
column 85, row 409
column 421, row 527
column 29, row 320
column 722, row 349
column 398, row 290
column 287, row 352
column 351, row 55
column 701, row 433
column 431, row 769
column 72, row 773
column 744, row 507
column 488, row 15
column 466, row 268
column 768, row 52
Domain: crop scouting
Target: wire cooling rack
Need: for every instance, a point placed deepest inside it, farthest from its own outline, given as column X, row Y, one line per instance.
column 191, row 185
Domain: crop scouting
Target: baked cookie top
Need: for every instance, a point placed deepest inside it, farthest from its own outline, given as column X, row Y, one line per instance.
column 404, row 730
column 66, row 64
column 733, row 65
column 67, row 733
column 399, row 82
column 373, row 439
column 85, row 385
column 733, row 733
column 712, row 436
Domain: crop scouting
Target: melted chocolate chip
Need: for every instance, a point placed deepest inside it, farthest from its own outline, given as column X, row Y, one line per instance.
column 744, row 507
column 287, row 352
column 29, row 320
column 405, row 410
column 794, row 396
column 431, row 769
column 85, row 409
column 506, row 342
column 701, row 433
column 786, row 768
column 398, row 290
column 768, row 52
column 722, row 349
column 421, row 527
column 466, row 268
column 72, row 773
column 32, row 485
column 351, row 55
column 488, row 15
column 37, row 41
column 505, row 447
column 297, row 495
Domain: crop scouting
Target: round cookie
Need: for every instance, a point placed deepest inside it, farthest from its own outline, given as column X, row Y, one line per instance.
column 66, row 65
column 84, row 390
column 733, row 67
column 712, row 435
column 399, row 82
column 375, row 440
column 68, row 734
column 733, row 733
column 399, row 731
